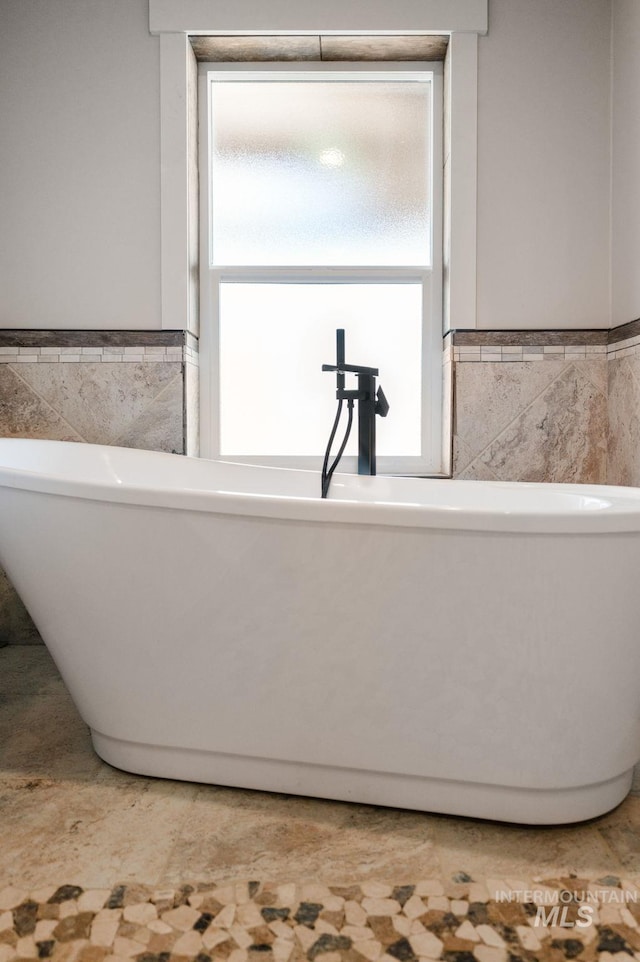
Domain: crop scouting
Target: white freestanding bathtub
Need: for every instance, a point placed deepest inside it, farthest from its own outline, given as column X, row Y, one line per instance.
column 462, row 647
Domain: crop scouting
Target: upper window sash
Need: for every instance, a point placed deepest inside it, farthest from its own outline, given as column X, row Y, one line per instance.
column 363, row 153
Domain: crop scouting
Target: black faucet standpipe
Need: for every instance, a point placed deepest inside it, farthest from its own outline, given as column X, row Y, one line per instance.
column 370, row 403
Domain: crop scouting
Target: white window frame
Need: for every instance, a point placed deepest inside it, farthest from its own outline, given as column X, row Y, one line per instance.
column 430, row 277
column 174, row 21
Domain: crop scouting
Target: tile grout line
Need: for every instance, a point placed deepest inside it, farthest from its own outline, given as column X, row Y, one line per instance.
column 471, row 463
column 634, row 377
column 47, row 403
column 496, row 437
column 114, row 441
column 603, row 393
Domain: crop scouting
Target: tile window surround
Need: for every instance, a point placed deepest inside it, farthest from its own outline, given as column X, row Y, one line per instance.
column 542, row 406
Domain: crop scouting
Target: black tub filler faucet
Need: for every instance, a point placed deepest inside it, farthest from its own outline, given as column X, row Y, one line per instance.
column 370, row 403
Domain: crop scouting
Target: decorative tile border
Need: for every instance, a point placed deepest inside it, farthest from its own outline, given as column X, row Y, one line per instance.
column 457, row 920
column 624, row 331
column 529, row 352
column 515, row 338
column 501, row 346
column 59, row 338
column 95, row 355
column 23, row 347
column 623, row 348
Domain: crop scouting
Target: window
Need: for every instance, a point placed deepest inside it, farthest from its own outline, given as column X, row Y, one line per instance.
column 322, row 206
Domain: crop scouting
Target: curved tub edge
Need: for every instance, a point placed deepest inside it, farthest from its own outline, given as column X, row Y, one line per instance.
column 476, row 800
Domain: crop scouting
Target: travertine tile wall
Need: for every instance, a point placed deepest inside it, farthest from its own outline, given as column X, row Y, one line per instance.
column 623, row 440
column 130, row 396
column 548, row 412
column 535, row 413
column 133, row 395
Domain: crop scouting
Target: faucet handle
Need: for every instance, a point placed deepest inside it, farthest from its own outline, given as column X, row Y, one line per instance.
column 382, row 405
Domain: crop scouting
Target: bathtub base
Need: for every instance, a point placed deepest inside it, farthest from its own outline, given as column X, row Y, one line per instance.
column 499, row 802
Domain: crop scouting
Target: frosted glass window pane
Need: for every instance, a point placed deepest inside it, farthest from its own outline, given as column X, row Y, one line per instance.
column 274, row 338
column 321, row 173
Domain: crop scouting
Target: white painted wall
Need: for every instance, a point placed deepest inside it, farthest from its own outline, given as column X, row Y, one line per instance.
column 79, row 165
column 543, row 165
column 626, row 162
column 301, row 16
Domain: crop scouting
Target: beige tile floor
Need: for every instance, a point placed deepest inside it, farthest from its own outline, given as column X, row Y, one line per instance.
column 65, row 816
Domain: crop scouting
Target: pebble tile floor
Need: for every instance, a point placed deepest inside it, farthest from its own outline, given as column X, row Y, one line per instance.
column 100, row 866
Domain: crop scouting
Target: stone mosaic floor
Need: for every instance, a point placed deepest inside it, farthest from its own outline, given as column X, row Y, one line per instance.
column 94, row 865
column 457, row 921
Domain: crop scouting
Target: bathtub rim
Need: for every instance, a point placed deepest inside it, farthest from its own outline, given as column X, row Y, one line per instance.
column 289, row 507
